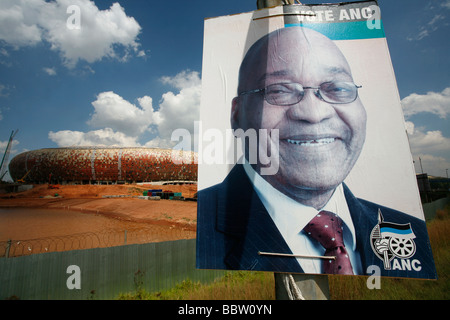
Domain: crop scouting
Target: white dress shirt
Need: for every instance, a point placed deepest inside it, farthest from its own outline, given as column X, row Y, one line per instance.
column 291, row 217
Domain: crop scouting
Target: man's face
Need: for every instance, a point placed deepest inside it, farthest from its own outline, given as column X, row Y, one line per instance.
column 319, row 142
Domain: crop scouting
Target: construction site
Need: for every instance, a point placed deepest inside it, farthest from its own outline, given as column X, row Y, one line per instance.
column 112, row 203
column 107, row 188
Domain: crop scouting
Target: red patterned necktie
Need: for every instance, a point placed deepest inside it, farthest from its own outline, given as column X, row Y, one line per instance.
column 327, row 229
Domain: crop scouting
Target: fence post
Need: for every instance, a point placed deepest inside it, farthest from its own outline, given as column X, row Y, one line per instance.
column 8, row 246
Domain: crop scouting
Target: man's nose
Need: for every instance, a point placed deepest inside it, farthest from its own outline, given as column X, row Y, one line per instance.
column 311, row 108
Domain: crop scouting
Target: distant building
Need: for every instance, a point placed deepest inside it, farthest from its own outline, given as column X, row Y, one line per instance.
column 423, row 182
column 86, row 165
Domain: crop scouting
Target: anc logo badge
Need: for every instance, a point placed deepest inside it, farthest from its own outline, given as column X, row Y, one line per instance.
column 390, row 240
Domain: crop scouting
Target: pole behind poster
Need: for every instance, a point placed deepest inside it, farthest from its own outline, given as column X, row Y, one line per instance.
column 297, row 286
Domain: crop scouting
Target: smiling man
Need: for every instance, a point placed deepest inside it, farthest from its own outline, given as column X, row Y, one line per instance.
column 304, row 88
column 302, row 218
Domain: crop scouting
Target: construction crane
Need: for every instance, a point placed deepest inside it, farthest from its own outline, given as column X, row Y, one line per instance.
column 6, row 155
column 23, row 178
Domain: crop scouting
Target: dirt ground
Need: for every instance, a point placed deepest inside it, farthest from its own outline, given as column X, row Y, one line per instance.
column 85, row 208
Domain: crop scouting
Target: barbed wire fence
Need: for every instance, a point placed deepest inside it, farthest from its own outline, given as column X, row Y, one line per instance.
column 89, row 240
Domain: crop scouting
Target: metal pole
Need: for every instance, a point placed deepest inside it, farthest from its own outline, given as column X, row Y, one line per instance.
column 301, row 287
column 273, row 3
column 297, row 286
column 8, row 247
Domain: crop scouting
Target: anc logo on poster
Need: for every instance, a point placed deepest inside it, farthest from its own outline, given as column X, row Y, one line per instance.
column 390, row 240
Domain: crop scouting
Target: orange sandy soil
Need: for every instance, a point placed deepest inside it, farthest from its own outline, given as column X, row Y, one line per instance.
column 96, row 213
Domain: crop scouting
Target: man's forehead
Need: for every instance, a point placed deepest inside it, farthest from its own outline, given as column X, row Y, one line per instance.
column 288, row 51
column 297, row 36
column 290, row 43
column 329, row 70
column 297, row 41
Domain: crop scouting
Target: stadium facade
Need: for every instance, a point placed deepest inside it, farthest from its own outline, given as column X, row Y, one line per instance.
column 85, row 165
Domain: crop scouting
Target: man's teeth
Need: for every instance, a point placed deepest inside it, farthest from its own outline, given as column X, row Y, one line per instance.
column 315, row 143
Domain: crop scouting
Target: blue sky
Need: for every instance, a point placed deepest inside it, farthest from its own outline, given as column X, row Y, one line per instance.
column 132, row 73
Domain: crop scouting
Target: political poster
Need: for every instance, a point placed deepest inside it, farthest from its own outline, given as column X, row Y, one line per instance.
column 304, row 161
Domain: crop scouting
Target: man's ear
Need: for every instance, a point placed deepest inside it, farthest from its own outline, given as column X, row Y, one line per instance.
column 235, row 106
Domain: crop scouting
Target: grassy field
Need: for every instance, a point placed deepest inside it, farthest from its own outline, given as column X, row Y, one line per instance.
column 261, row 285
column 235, row 285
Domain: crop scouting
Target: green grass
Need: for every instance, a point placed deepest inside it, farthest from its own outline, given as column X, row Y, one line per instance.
column 244, row 285
column 236, row 285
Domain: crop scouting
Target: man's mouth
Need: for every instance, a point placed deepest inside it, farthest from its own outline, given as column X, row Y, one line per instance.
column 313, row 142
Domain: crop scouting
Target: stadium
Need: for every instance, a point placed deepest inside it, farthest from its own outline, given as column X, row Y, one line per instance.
column 90, row 165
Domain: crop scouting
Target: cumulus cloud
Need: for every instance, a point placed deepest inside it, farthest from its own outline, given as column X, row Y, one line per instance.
column 122, row 123
column 101, row 32
column 18, row 26
column 437, row 103
column 180, row 110
column 4, row 144
column 113, row 111
column 422, row 141
column 183, row 80
column 430, row 146
column 101, row 137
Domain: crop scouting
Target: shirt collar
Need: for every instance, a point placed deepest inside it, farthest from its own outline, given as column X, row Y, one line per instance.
column 290, row 216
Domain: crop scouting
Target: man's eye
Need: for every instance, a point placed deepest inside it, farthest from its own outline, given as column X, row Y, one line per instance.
column 278, row 89
column 338, row 88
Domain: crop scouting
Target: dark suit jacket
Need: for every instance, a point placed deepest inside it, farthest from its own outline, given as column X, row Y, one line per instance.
column 233, row 226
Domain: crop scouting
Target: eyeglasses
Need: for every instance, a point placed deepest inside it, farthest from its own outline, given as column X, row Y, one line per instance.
column 286, row 94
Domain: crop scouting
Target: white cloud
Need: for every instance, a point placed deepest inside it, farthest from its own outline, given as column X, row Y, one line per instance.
column 445, row 4
column 50, row 71
column 431, row 146
column 101, row 32
column 102, row 137
column 422, row 141
column 182, row 109
column 4, row 52
column 158, row 142
column 18, row 26
column 437, row 103
column 113, row 111
column 183, row 80
column 4, row 144
column 436, row 19
column 123, row 123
